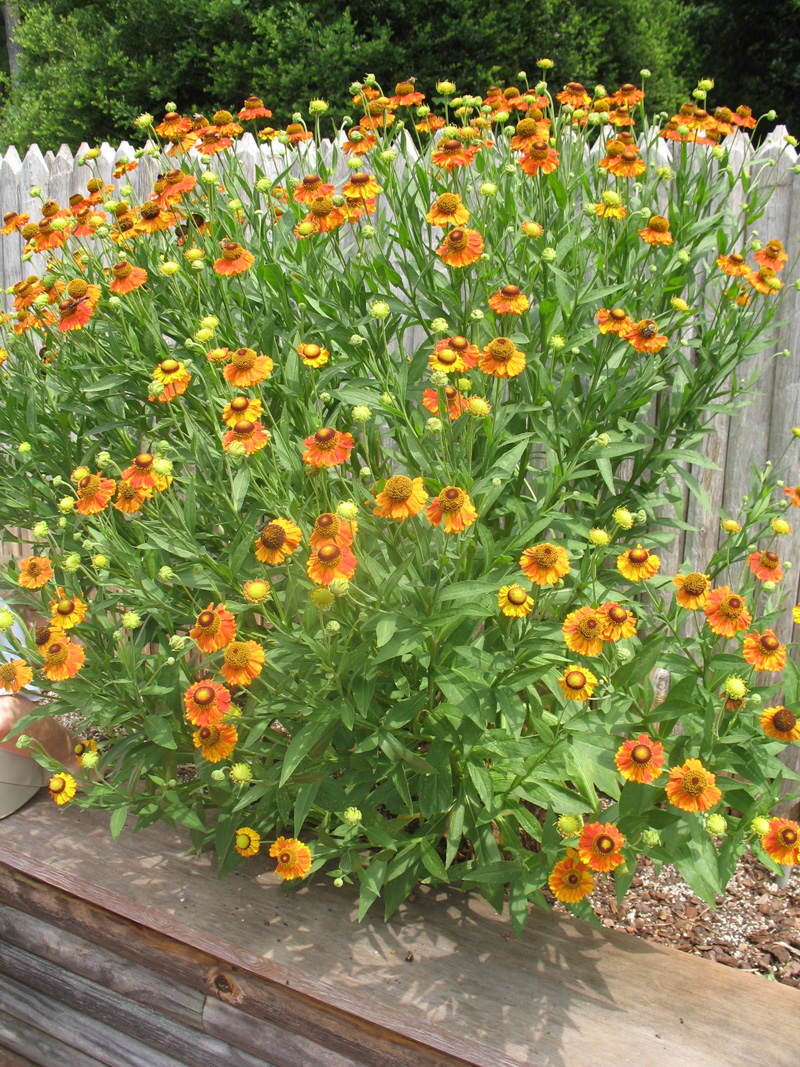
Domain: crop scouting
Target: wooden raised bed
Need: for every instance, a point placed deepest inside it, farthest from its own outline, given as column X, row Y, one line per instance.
column 136, row 955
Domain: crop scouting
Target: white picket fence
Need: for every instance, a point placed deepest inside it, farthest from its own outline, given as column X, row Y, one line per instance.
column 757, row 433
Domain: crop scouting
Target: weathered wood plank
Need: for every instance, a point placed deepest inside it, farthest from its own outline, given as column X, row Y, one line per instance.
column 23, row 1045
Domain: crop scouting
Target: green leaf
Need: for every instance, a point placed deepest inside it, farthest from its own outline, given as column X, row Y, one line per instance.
column 642, row 663
column 159, row 729
column 302, row 744
column 241, row 483
column 118, row 821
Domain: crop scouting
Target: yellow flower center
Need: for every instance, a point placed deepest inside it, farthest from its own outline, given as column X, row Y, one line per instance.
column 694, row 783
column 659, row 224
column 360, row 179
column 769, row 644
column 736, row 258
column 222, row 118
column 447, row 357
column 575, row 680
column 457, row 240
column 773, row 249
column 329, row 556
column 204, row 696
column 617, row 614
column 169, row 366
column 731, row 607
column 273, row 536
column 311, row 351
column 617, row 314
column 231, row 250
column 501, row 349
column 516, row 595
column 784, row 720
column 243, row 841
column 695, row 584
column 399, row 488
column 237, row 654
column 510, row 291
column 57, row 654
column 294, row 127
column 88, row 486
column 327, row 524
column 603, row 845
column 8, row 673
column 143, row 462
column 121, row 271
column 452, row 498
column 209, row 622
column 244, row 358
column 545, row 555
column 65, row 607
column 460, row 344
column 447, row 204
column 326, row 438
column 403, row 89
column 57, row 784
column 641, row 755
column 788, row 837
column 526, row 128
column 321, row 206
column 240, row 403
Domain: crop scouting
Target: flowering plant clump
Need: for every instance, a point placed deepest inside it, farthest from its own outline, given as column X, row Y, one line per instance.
column 341, row 476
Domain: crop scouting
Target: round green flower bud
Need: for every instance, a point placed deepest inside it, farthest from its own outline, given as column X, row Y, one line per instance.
column 165, row 574
column 735, row 688
column 623, row 518
column 388, row 400
column 218, row 775
column 155, row 389
column 440, row 326
column 178, row 643
column 118, row 635
column 716, row 825
column 62, row 522
column 352, row 816
column 6, row 620
column 332, row 627
column 339, row 587
column 100, row 562
column 760, row 826
column 24, row 448
column 72, row 563
column 41, row 530
column 208, row 177
column 476, row 315
column 380, row 310
column 603, row 440
column 488, row 189
column 89, row 760
column 651, row 838
column 347, row 510
column 549, row 255
column 624, row 655
column 365, row 473
column 683, row 257
column 439, row 379
column 24, row 741
column 570, row 825
column 131, row 620
column 240, row 773
column 318, row 107
column 772, row 115
column 338, row 882
column 361, row 413
column 169, row 268
column 433, row 426
column 769, row 587
column 322, row 598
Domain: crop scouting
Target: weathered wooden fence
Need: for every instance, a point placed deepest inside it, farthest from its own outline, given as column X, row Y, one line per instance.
column 757, row 433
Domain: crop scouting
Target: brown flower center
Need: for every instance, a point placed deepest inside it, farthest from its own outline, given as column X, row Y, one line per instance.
column 510, row 291
column 169, row 366
column 694, row 783
column 65, row 607
column 209, row 622
column 231, row 250
column 659, row 224
column 273, row 536
column 244, row 358
column 311, row 181
column 770, row 560
column 222, row 118
column 545, row 555
column 399, row 488
column 457, row 240
column 326, row 438
column 8, row 673
column 321, row 206
column 784, row 720
column 769, row 644
column 88, row 486
column 452, row 498
column 638, row 556
column 517, row 596
column 539, row 151
column 143, row 462
column 617, row 614
column 43, row 633
column 403, row 89
column 121, row 271
column 57, row 654
column 294, row 127
column 641, row 755
column 588, row 627
column 788, row 837
column 603, row 845
column 240, row 403
column 773, row 248
column 629, row 155
column 695, row 584
column 150, row 211
column 237, row 654
column 360, row 178
column 285, row 858
column 447, row 204
column 575, row 680
column 329, row 556
column 526, row 128
column 460, row 344
column 327, row 524
column 244, row 428
column 501, row 349
column 77, row 288
column 209, row 735
column 311, row 351
column 573, row 878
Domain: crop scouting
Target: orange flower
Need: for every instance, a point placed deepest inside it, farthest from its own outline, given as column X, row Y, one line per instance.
column 330, row 561
column 294, row 858
column 140, row 474
column 644, row 336
column 734, row 265
column 76, row 310
column 462, row 347
column 174, row 376
column 604, row 210
column 617, row 623
column 779, row 723
column 323, row 217
column 234, row 259
column 34, row 572
column 529, row 130
column 241, row 407
column 782, row 842
column 509, row 301
column 461, row 247
column 614, row 321
column 766, row 566
column 638, row 564
column 455, row 401
column 545, row 563
column 361, row 186
column 726, row 612
column 764, row 281
column 628, row 95
column 574, row 94
column 502, row 359
column 214, row 628
column 14, row 675
column 327, row 448
column 330, row 529
column 206, row 703
column 764, row 651
column 599, row 846
column 247, row 368
column 582, row 632
column 359, row 143
column 243, row 661
column 129, row 500
column 254, row 109
column 455, row 507
column 406, row 95
column 772, row 255
column 743, row 117
column 447, row 210
column 692, row 788
column 793, row 492
column 310, row 187
column 577, row 683
column 570, row 880
column 448, row 360
column 251, row 435
column 277, row 540
column 126, row 278
column 62, row 788
column 248, row 841
column 514, row 601
column 540, row 156
column 692, row 589
column 400, row 498
column 312, row 355
column 65, row 611
column 627, row 164
column 216, row 742
column 12, row 222
column 152, row 219
column 94, row 494
column 641, row 760
column 656, row 232
column 451, row 154
column 62, row 659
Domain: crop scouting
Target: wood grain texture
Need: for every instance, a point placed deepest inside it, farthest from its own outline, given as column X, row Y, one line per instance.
column 470, row 991
column 23, row 1045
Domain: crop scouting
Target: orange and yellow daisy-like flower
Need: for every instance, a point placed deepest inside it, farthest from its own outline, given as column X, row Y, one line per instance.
column 583, row 632
column 62, row 659
column 766, row 566
column 726, row 612
column 174, row 376
column 13, row 223
column 644, row 336
column 279, row 539
column 448, row 360
column 628, row 95
column 782, row 842
column 241, row 407
column 94, row 494
column 539, row 157
column 206, row 703
column 509, row 301
column 514, row 601
column 627, row 164
column 772, row 255
column 530, row 130
column 614, row 321
column 570, row 880
column 34, row 572
column 532, row 229
column 574, row 94
column 502, row 359
column 126, row 278
column 153, row 219
column 214, row 628
column 361, row 186
column 248, row 841
column 764, row 651
column 234, row 259
column 294, row 858
column 577, row 683
column 312, row 355
column 793, row 492
column 218, row 355
column 255, row 591
column 461, row 247
column 401, row 498
column 599, row 846
column 448, row 210
column 62, row 788
column 455, row 507
column 617, row 622
column 327, row 448
column 360, row 142
column 733, row 265
column 692, row 589
column 82, row 747
column 638, row 564
column 451, row 154
column 640, row 760
column 692, row 788
column 545, row 563
column 14, row 675
column 743, row 117
column 65, row 611
column 764, row 280
column 406, row 95
column 140, row 474
column 251, row 435
column 779, row 723
column 309, row 187
column 656, row 232
column 216, row 741
column 79, row 306
column 330, row 561
column 129, row 500
column 455, row 401
column 460, row 345
column 606, row 210
column 247, row 368
column 330, row 529
column 324, row 217
column 242, row 662
column 254, row 109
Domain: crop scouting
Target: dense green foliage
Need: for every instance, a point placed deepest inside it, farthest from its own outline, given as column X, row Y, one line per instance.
column 90, row 66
